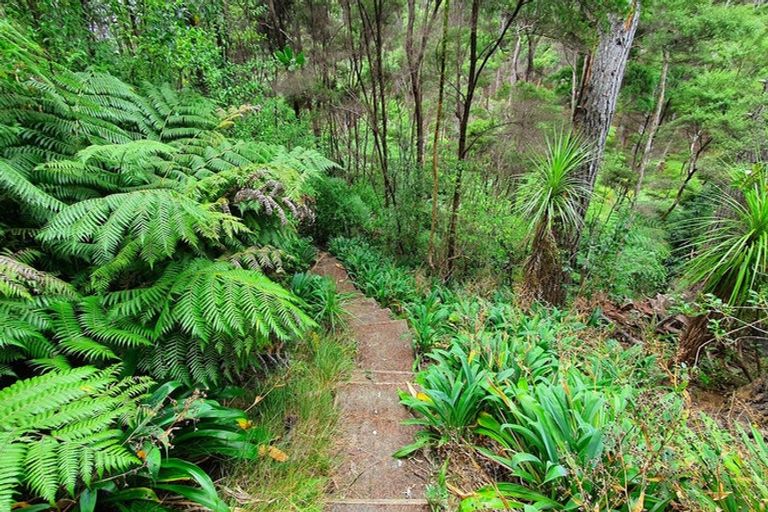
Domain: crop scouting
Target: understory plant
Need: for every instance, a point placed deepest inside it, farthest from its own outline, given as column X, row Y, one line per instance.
column 550, row 198
column 731, row 253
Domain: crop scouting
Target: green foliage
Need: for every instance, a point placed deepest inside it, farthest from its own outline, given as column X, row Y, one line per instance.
column 289, row 59
column 324, row 303
column 62, row 428
column 340, row 211
column 732, row 247
column 551, row 193
column 450, row 399
column 570, row 423
column 427, row 320
column 623, row 256
column 141, row 243
column 146, row 224
column 377, row 277
column 552, row 198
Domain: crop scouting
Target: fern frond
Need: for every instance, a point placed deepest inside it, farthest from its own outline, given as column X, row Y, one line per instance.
column 158, row 220
column 17, row 187
column 266, row 258
column 207, row 299
column 63, row 428
column 24, row 280
column 12, row 456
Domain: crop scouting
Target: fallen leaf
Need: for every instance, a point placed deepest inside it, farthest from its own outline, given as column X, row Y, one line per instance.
column 274, row 453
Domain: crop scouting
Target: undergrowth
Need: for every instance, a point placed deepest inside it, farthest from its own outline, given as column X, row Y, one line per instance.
column 555, row 414
column 296, row 407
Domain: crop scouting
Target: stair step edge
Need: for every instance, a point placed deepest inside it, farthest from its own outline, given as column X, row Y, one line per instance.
column 384, row 501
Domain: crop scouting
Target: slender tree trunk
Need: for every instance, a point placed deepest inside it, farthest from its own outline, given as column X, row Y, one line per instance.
column 415, row 79
column 376, row 102
column 415, row 57
column 597, row 103
column 530, row 67
column 514, row 74
column 574, row 83
column 436, row 139
column 654, row 127
column 639, row 142
column 462, row 146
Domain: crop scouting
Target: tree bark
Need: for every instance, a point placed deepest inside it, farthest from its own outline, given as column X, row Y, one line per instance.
column 530, row 67
column 376, row 101
column 463, row 124
column 655, row 123
column 694, row 337
column 514, row 75
column 415, row 58
column 597, row 103
column 544, row 275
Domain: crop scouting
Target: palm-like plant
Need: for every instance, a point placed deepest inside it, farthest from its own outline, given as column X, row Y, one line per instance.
column 732, row 253
column 550, row 200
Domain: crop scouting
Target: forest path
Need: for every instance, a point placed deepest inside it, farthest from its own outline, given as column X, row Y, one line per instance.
column 368, row 478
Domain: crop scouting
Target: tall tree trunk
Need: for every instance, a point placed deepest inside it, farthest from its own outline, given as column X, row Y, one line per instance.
column 654, row 127
column 436, row 138
column 275, row 27
column 597, row 103
column 574, row 82
column 462, row 146
column 415, row 79
column 514, row 72
column 530, row 67
column 415, row 58
column 376, row 101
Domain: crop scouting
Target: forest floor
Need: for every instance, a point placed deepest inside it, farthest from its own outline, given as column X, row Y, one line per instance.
column 367, row 477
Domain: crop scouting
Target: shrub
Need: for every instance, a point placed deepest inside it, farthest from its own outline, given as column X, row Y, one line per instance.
column 340, row 211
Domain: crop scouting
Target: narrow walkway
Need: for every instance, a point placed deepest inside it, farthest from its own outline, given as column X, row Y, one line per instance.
column 368, row 478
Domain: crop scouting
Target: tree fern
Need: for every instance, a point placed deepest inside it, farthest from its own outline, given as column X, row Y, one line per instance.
column 160, row 229
column 208, row 299
column 18, row 279
column 167, row 115
column 156, row 221
column 17, row 187
column 179, row 357
column 59, row 428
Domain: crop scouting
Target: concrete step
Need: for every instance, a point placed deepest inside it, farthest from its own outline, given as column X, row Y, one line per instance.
column 383, row 377
column 367, row 469
column 384, row 346
column 402, row 505
column 371, row 400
